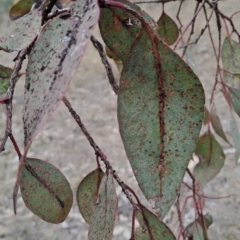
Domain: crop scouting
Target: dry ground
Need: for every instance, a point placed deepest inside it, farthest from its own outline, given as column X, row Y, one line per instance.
column 64, row 145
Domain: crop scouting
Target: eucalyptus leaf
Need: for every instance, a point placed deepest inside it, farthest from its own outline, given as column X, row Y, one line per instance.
column 87, row 193
column 216, row 123
column 160, row 113
column 45, row 190
column 230, row 55
column 22, row 32
column 20, row 8
column 168, row 29
column 151, row 227
column 192, row 228
column 236, row 137
column 235, row 97
column 119, row 28
column 211, row 157
column 103, row 218
column 206, row 116
column 55, row 58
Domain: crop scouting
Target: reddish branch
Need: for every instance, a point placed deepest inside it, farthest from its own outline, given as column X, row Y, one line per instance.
column 99, row 153
column 106, row 64
column 8, row 99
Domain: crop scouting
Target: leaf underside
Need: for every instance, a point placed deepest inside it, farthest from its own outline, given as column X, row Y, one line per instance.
column 160, row 112
column 87, row 193
column 230, row 55
column 45, row 190
column 22, row 32
column 103, row 218
column 48, row 77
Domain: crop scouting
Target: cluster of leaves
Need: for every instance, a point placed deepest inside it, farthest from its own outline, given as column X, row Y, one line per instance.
column 160, row 110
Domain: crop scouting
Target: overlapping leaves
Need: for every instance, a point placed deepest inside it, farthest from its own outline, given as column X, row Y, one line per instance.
column 87, row 193
column 151, row 227
column 103, row 218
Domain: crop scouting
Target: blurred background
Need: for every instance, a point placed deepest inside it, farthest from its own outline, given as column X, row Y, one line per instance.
column 62, row 143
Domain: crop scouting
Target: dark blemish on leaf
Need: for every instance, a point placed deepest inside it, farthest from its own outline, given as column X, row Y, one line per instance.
column 41, row 181
column 28, row 86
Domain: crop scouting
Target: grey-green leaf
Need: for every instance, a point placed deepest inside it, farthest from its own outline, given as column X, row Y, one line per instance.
column 45, row 190
column 230, row 55
column 160, row 113
column 211, row 157
column 151, row 227
column 216, row 123
column 55, row 58
column 235, row 97
column 168, row 29
column 192, row 228
column 87, row 193
column 236, row 137
column 22, row 32
column 103, row 218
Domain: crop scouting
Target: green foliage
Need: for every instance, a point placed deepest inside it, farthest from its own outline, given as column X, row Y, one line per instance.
column 21, row 8
column 103, row 218
column 45, row 190
column 150, row 118
column 160, row 110
column 231, row 61
column 151, row 227
column 119, row 29
column 5, row 74
column 211, row 158
column 216, row 123
column 168, row 29
column 87, row 193
column 236, row 137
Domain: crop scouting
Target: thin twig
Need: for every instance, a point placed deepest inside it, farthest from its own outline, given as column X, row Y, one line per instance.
column 180, row 216
column 223, row 16
column 133, row 225
column 9, row 95
column 106, row 64
column 189, row 24
column 15, row 145
column 202, row 30
column 99, row 152
column 192, row 29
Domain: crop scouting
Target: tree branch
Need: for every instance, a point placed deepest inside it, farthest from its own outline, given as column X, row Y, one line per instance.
column 8, row 99
column 106, row 64
column 100, row 153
